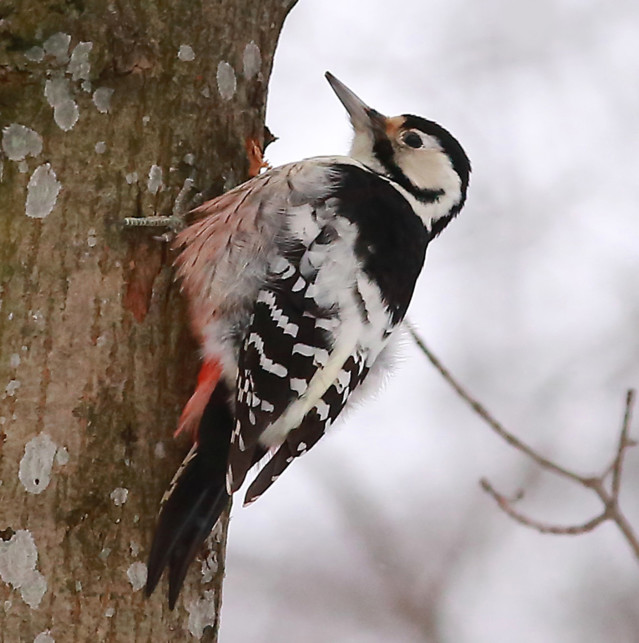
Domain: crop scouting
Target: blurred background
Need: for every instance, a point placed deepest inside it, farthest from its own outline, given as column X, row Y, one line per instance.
column 531, row 298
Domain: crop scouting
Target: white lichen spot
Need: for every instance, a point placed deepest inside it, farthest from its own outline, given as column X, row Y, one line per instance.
column 131, row 177
column 159, row 450
column 189, row 159
column 146, row 119
column 62, row 456
column 105, row 553
column 35, row 54
column 201, row 613
column 7, row 605
column 79, row 66
column 66, row 115
column 100, row 147
column 251, row 60
column 58, row 95
column 101, row 340
column 44, row 637
column 19, row 141
column 14, row 360
column 56, row 90
column 12, row 388
column 18, row 559
column 119, row 496
column 78, row 586
column 102, row 99
column 34, row 589
column 136, row 519
column 86, row 86
column 137, row 575
column 135, row 548
column 23, row 167
column 57, row 46
column 155, row 183
column 36, row 463
column 42, row 192
column 205, row 91
column 109, row 612
column 226, row 82
column 209, row 566
column 38, row 319
column 186, row 53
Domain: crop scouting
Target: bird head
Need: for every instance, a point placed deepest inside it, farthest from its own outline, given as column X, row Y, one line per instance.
column 418, row 154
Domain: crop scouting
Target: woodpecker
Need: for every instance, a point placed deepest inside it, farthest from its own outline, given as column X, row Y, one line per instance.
column 296, row 282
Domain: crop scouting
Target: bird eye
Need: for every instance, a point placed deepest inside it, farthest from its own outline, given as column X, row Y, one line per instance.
column 413, row 140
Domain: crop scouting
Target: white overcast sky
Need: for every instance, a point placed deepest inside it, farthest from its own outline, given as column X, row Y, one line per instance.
column 531, row 298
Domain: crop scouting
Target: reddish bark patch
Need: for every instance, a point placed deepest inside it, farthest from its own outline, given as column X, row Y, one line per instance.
column 145, row 263
column 255, row 156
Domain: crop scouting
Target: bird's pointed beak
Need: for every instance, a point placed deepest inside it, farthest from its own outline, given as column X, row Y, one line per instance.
column 362, row 116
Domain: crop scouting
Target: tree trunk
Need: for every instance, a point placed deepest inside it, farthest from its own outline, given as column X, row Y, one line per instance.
column 108, row 108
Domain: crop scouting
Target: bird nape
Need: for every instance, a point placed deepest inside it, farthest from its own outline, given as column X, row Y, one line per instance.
column 296, row 283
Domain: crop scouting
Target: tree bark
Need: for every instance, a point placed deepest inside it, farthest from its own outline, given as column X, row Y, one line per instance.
column 108, row 109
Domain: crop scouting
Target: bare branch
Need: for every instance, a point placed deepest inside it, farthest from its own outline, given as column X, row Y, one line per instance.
column 626, row 529
column 624, row 443
column 496, row 426
column 506, row 505
column 609, row 497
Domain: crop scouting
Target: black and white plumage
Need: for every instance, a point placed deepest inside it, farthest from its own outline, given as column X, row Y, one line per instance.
column 296, row 282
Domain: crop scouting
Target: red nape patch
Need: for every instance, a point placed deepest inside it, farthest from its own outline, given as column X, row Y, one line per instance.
column 207, row 380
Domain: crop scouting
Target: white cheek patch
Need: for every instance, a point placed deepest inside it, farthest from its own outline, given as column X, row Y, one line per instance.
column 431, row 169
column 428, row 168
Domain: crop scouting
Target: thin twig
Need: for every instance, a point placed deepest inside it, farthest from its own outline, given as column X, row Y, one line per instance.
column 626, row 529
column 506, row 505
column 499, row 428
column 609, row 498
column 624, row 443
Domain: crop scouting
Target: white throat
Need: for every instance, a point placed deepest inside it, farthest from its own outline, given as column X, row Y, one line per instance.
column 362, row 151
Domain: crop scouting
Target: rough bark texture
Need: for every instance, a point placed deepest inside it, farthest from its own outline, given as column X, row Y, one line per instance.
column 107, row 108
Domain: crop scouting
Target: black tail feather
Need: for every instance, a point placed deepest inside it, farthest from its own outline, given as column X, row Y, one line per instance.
column 197, row 500
column 191, row 540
